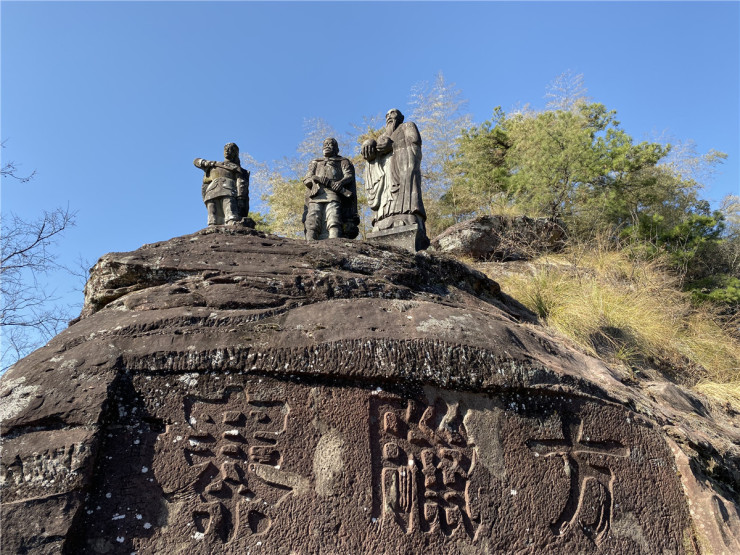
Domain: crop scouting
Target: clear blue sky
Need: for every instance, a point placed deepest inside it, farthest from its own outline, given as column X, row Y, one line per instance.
column 110, row 101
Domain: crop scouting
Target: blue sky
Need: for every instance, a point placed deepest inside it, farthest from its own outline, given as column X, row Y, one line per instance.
column 110, row 101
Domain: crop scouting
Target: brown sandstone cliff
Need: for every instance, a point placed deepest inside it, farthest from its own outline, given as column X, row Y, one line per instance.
column 235, row 392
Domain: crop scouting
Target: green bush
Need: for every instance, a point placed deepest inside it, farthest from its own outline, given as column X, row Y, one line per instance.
column 720, row 289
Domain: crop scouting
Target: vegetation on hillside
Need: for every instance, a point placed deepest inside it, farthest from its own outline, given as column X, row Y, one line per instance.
column 657, row 278
column 630, row 311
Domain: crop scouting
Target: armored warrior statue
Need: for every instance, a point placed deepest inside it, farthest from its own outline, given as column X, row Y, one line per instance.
column 330, row 208
column 225, row 188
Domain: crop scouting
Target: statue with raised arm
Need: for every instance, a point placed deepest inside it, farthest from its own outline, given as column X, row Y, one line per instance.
column 393, row 177
column 330, row 208
column 225, row 188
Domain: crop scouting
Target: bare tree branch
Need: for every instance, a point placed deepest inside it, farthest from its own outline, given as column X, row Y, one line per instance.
column 9, row 169
column 29, row 311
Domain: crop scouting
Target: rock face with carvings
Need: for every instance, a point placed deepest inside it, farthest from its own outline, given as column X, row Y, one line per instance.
column 235, row 392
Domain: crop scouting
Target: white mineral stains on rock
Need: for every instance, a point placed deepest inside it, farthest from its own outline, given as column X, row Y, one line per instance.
column 452, row 323
column 15, row 397
column 328, row 463
column 217, row 357
column 47, row 468
column 190, row 380
column 567, row 468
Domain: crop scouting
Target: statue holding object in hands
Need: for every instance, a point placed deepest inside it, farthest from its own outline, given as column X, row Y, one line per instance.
column 330, row 208
column 393, row 177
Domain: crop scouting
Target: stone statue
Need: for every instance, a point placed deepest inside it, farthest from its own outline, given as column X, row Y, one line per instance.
column 330, row 208
column 225, row 188
column 393, row 177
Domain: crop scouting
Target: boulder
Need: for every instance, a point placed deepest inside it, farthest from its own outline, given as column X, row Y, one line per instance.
column 236, row 392
column 501, row 238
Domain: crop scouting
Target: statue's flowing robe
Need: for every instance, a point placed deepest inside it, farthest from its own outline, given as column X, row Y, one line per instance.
column 393, row 180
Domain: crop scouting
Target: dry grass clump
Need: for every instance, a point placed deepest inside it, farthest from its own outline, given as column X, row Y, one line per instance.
column 725, row 392
column 631, row 312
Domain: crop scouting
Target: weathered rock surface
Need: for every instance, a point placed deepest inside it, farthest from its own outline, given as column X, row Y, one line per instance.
column 235, row 392
column 501, row 238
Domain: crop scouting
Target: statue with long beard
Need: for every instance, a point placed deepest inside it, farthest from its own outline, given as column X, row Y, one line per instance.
column 393, row 176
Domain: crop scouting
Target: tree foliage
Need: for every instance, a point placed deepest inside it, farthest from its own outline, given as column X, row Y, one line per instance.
column 574, row 162
column 480, row 180
column 280, row 183
column 438, row 109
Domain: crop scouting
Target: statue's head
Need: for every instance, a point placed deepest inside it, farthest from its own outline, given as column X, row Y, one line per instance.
column 231, row 152
column 393, row 118
column 331, row 147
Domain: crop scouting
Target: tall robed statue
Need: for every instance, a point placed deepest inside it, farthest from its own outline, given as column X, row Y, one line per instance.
column 393, row 181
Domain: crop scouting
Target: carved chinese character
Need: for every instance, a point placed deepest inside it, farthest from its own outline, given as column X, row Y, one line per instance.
column 425, row 469
column 589, row 505
column 233, row 476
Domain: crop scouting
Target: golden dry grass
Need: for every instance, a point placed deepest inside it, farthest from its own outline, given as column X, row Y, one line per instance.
column 725, row 392
column 631, row 312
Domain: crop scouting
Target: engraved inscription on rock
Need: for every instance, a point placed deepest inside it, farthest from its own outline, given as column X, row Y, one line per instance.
column 425, row 469
column 234, row 480
column 236, row 462
column 587, row 463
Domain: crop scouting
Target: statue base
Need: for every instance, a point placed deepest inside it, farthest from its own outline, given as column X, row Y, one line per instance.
column 410, row 237
column 244, row 222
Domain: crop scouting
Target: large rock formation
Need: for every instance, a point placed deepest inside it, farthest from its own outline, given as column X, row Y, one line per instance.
column 501, row 238
column 235, row 392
